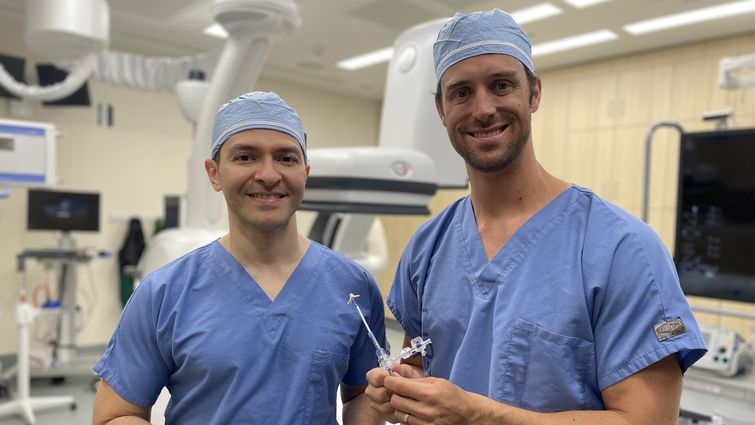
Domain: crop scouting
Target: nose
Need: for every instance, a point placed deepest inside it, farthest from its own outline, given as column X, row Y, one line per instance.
column 484, row 106
column 267, row 174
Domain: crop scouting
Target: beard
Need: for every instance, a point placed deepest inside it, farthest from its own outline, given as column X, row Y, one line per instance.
column 261, row 219
column 488, row 163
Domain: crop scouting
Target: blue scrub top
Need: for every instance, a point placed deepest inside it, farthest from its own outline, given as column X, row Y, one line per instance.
column 202, row 327
column 567, row 308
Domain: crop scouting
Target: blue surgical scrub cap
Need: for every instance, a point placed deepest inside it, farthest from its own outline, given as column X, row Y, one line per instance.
column 256, row 110
column 480, row 33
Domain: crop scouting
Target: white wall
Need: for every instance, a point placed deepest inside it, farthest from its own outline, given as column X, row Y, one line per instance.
column 133, row 165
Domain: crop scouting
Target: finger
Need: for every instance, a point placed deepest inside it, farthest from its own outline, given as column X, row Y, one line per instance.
column 409, row 371
column 385, row 410
column 406, row 387
column 411, row 406
column 378, row 395
column 406, row 418
column 376, row 376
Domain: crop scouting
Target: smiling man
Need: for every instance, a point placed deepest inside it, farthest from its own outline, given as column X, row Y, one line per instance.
column 545, row 303
column 253, row 328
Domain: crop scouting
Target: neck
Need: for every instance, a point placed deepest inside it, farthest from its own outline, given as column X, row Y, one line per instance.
column 522, row 188
column 255, row 248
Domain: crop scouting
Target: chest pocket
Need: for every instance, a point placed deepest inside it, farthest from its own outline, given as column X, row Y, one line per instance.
column 545, row 371
column 326, row 373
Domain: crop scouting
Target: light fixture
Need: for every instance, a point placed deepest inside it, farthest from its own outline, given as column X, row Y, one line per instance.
column 574, row 42
column 367, row 59
column 691, row 17
column 535, row 13
column 579, row 4
column 522, row 16
column 216, row 30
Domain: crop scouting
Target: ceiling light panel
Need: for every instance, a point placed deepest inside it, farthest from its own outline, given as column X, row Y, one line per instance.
column 367, row 59
column 574, row 42
column 535, row 13
column 691, row 17
column 579, row 4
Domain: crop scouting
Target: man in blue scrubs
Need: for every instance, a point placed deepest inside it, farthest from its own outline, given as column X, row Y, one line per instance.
column 254, row 328
column 545, row 304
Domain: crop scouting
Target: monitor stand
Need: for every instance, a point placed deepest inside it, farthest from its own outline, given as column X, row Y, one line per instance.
column 66, row 359
column 23, row 404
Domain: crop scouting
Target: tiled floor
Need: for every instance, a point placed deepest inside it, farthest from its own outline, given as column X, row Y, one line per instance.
column 81, row 389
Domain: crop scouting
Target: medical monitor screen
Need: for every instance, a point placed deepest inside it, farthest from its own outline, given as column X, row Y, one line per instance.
column 715, row 230
column 64, row 211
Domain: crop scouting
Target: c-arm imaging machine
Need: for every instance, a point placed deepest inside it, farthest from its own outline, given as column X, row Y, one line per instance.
column 347, row 187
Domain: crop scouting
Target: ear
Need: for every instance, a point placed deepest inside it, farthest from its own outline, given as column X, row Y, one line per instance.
column 537, row 92
column 439, row 108
column 307, row 168
column 211, row 167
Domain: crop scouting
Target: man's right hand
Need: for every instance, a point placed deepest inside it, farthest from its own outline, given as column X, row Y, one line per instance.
column 379, row 396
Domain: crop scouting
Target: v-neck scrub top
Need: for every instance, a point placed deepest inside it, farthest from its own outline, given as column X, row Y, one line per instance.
column 202, row 327
column 567, row 307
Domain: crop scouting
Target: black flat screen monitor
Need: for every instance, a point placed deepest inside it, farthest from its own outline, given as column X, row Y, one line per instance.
column 63, row 211
column 715, row 228
column 50, row 74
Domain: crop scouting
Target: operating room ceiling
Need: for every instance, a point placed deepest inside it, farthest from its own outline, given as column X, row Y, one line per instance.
column 333, row 30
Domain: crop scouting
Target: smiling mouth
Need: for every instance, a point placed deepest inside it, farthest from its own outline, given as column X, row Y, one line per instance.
column 483, row 134
column 266, row 196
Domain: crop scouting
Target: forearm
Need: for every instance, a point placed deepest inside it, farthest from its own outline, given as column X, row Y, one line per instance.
column 124, row 420
column 490, row 412
column 357, row 411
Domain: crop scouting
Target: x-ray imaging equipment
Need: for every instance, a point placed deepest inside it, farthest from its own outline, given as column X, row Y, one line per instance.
column 349, row 186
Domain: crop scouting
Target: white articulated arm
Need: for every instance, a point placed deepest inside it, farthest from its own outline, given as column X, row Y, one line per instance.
column 149, row 73
column 80, row 71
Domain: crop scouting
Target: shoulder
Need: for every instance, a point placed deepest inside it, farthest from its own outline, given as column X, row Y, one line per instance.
column 337, row 262
column 606, row 221
column 182, row 271
column 438, row 226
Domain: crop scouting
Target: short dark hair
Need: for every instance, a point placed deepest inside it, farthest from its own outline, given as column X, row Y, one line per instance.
column 531, row 81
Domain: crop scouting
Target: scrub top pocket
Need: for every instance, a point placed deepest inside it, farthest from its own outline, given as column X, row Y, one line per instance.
column 319, row 405
column 545, row 371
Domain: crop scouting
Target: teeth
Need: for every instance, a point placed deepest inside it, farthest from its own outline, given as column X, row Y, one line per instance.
column 489, row 133
column 266, row 196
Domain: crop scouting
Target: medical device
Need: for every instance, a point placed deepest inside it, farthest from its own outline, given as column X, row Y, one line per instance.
column 715, row 224
column 27, row 153
column 418, row 345
column 715, row 200
column 349, row 186
column 23, row 404
column 62, row 211
column 728, row 353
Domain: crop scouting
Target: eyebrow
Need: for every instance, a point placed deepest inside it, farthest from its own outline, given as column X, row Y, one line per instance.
column 241, row 147
column 496, row 75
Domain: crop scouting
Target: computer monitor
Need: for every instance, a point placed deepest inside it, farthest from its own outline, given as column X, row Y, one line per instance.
column 715, row 230
column 63, row 211
column 50, row 74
